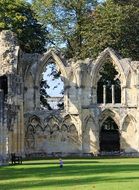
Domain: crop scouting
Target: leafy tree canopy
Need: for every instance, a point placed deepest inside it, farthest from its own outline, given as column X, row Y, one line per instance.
column 115, row 26
column 65, row 21
column 18, row 16
column 125, row 2
column 83, row 28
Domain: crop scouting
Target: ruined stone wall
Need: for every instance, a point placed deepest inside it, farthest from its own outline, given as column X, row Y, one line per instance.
column 52, row 132
column 8, row 52
column 11, row 125
column 76, row 129
column 80, row 102
column 3, row 131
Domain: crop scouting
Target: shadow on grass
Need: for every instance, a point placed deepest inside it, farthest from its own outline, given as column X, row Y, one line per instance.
column 68, row 170
column 65, row 182
column 72, row 174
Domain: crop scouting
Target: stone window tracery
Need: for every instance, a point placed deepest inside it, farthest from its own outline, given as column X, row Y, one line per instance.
column 108, row 85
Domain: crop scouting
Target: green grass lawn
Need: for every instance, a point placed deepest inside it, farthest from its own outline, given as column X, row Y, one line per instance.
column 77, row 174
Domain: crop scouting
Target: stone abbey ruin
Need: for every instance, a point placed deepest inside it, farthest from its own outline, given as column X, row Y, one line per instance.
column 90, row 122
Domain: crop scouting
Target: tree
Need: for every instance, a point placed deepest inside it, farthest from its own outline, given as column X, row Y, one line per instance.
column 125, row 2
column 18, row 16
column 65, row 21
column 116, row 26
column 44, row 95
column 84, row 28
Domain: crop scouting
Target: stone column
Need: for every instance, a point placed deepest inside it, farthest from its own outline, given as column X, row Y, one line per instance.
column 1, row 121
column 22, row 135
column 17, row 134
column 20, row 131
column 123, row 95
column 137, row 86
column 113, row 98
column 3, row 131
column 104, row 94
column 94, row 94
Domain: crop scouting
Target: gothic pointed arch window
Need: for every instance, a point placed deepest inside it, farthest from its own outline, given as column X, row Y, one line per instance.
column 108, row 85
column 51, row 87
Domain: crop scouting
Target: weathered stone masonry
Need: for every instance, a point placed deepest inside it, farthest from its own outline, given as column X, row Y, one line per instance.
column 27, row 129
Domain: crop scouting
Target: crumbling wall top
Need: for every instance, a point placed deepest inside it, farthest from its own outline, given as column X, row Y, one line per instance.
column 8, row 52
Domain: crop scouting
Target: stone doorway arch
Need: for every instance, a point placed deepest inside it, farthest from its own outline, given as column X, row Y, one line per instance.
column 109, row 138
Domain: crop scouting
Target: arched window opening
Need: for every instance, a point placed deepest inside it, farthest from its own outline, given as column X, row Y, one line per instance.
column 108, row 86
column 51, row 88
column 117, row 91
column 109, row 136
column 4, row 85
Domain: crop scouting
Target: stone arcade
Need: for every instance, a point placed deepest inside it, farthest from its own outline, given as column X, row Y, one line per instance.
column 85, row 125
